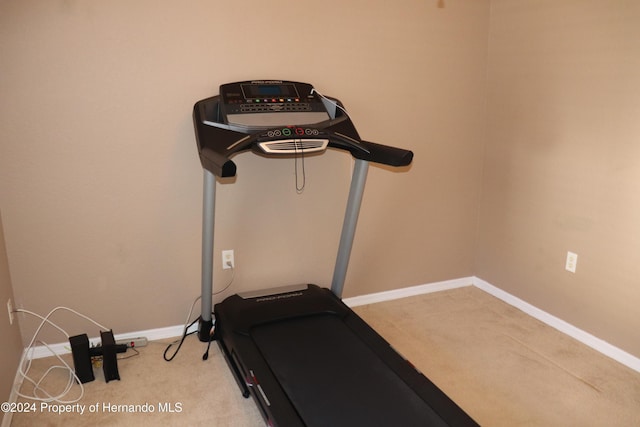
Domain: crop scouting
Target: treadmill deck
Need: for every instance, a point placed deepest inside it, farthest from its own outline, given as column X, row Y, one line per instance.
column 309, row 360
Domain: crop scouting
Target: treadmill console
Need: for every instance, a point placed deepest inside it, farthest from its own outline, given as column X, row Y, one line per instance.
column 271, row 103
column 278, row 117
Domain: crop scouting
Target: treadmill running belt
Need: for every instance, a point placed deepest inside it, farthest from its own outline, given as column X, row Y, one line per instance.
column 360, row 390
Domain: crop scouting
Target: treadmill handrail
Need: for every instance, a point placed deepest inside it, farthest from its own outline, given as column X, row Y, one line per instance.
column 218, row 142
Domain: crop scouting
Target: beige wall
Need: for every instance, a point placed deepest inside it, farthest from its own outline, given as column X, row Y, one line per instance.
column 100, row 182
column 11, row 349
column 562, row 166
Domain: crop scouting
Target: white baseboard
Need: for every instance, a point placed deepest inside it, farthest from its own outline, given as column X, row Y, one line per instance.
column 41, row 351
column 38, row 352
column 584, row 337
column 408, row 292
column 596, row 343
column 13, row 397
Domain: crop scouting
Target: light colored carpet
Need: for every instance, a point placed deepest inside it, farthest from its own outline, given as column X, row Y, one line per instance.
column 502, row 366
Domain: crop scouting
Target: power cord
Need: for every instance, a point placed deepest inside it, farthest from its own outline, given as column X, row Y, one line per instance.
column 185, row 333
column 179, row 342
column 27, row 358
column 233, row 275
column 188, row 324
column 205, row 356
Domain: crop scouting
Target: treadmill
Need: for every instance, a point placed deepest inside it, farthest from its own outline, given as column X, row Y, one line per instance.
column 304, row 356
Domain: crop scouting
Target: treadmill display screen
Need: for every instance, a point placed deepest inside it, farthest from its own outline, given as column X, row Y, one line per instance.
column 258, row 91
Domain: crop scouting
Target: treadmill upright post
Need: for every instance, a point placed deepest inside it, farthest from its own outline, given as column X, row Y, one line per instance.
column 208, row 218
column 356, row 192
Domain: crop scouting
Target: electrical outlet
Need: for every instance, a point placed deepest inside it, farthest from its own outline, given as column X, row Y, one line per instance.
column 227, row 259
column 572, row 262
column 10, row 310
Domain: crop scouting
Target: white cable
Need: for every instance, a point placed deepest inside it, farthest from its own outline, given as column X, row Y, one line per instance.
column 44, row 320
column 73, row 379
column 233, row 275
column 329, row 100
column 187, row 321
column 27, row 357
